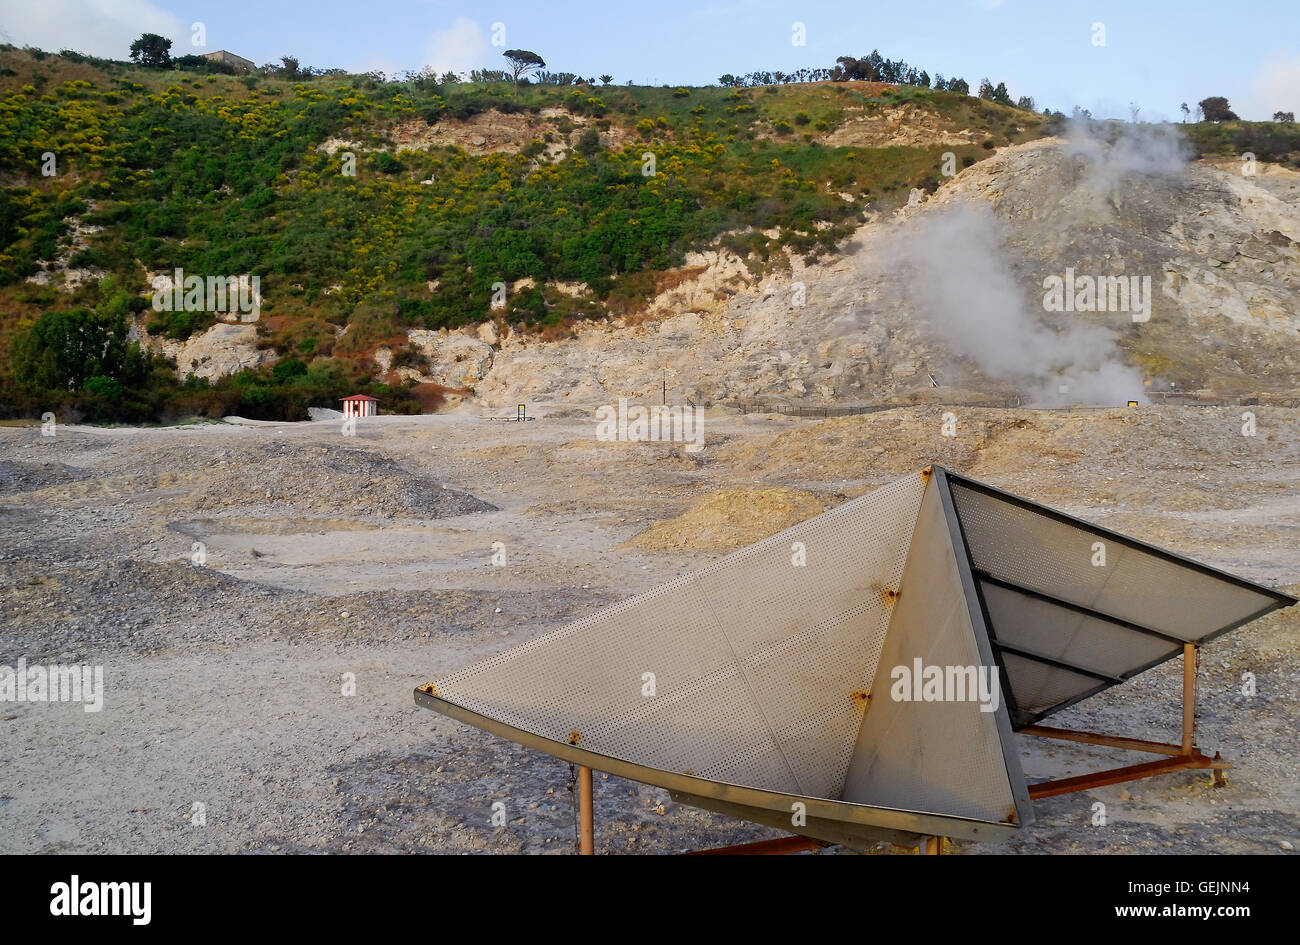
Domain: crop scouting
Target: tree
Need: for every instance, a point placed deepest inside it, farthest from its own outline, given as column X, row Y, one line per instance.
column 1284, row 116
column 62, row 350
column 1027, row 103
column 959, row 85
column 105, row 387
column 849, row 69
column 606, row 79
column 522, row 62
column 1215, row 108
column 152, row 51
column 986, row 88
column 1185, row 110
column 191, row 62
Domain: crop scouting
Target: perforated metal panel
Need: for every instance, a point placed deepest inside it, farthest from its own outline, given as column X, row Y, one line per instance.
column 1075, row 608
column 1039, row 687
column 755, row 659
column 772, row 677
column 941, row 756
column 1040, row 628
column 1028, row 548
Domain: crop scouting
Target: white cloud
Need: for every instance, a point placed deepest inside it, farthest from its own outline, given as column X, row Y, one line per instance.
column 459, row 48
column 1275, row 88
column 98, row 27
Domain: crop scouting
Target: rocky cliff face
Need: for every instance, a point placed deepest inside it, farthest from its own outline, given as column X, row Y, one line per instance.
column 915, row 300
column 223, row 349
column 1218, row 247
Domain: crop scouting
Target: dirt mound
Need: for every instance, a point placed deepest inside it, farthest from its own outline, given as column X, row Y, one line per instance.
column 133, row 605
column 874, row 447
column 24, row 477
column 340, row 481
column 731, row 519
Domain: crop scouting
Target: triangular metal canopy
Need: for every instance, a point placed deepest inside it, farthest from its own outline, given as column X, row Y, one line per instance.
column 825, row 680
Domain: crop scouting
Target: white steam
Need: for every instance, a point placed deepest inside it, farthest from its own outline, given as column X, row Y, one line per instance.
column 1113, row 151
column 965, row 287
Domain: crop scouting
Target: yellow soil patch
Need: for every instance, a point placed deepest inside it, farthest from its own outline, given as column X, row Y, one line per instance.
column 731, row 519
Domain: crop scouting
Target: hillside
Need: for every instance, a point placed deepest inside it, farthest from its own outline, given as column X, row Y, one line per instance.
column 951, row 288
column 380, row 217
column 456, row 188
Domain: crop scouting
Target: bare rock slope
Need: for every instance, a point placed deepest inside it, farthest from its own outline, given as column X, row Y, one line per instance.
column 1218, row 247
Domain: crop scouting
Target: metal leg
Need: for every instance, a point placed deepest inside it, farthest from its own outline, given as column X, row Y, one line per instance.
column 1189, row 698
column 1182, row 757
column 1087, row 782
column 1220, row 779
column 586, row 816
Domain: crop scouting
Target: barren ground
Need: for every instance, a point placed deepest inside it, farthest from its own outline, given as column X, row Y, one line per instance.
column 329, row 555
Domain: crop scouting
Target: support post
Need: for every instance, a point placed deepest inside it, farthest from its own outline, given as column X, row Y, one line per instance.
column 933, row 846
column 1182, row 757
column 586, row 815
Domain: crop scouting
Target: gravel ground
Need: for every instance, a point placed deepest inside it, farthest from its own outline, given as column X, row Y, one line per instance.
column 261, row 701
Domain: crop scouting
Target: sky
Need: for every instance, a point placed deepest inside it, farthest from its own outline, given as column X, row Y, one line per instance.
column 1100, row 55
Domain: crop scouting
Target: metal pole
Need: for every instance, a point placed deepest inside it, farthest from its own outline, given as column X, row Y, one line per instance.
column 586, row 819
column 1189, row 698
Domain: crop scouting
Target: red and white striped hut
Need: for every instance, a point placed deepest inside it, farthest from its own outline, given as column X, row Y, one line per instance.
column 359, row 405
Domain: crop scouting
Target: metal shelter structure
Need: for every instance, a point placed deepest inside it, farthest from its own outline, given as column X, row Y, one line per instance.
column 860, row 676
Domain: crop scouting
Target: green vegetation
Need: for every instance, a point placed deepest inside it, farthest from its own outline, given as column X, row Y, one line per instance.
column 152, row 51
column 1215, row 108
column 1276, row 141
column 190, row 168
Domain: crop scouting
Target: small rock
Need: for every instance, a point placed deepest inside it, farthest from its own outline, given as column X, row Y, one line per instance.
column 1286, row 845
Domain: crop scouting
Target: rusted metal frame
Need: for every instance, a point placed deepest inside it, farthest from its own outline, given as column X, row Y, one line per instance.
column 1107, row 741
column 1097, row 779
column 779, row 846
column 1182, row 757
column 587, row 831
column 586, row 813
column 889, row 818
